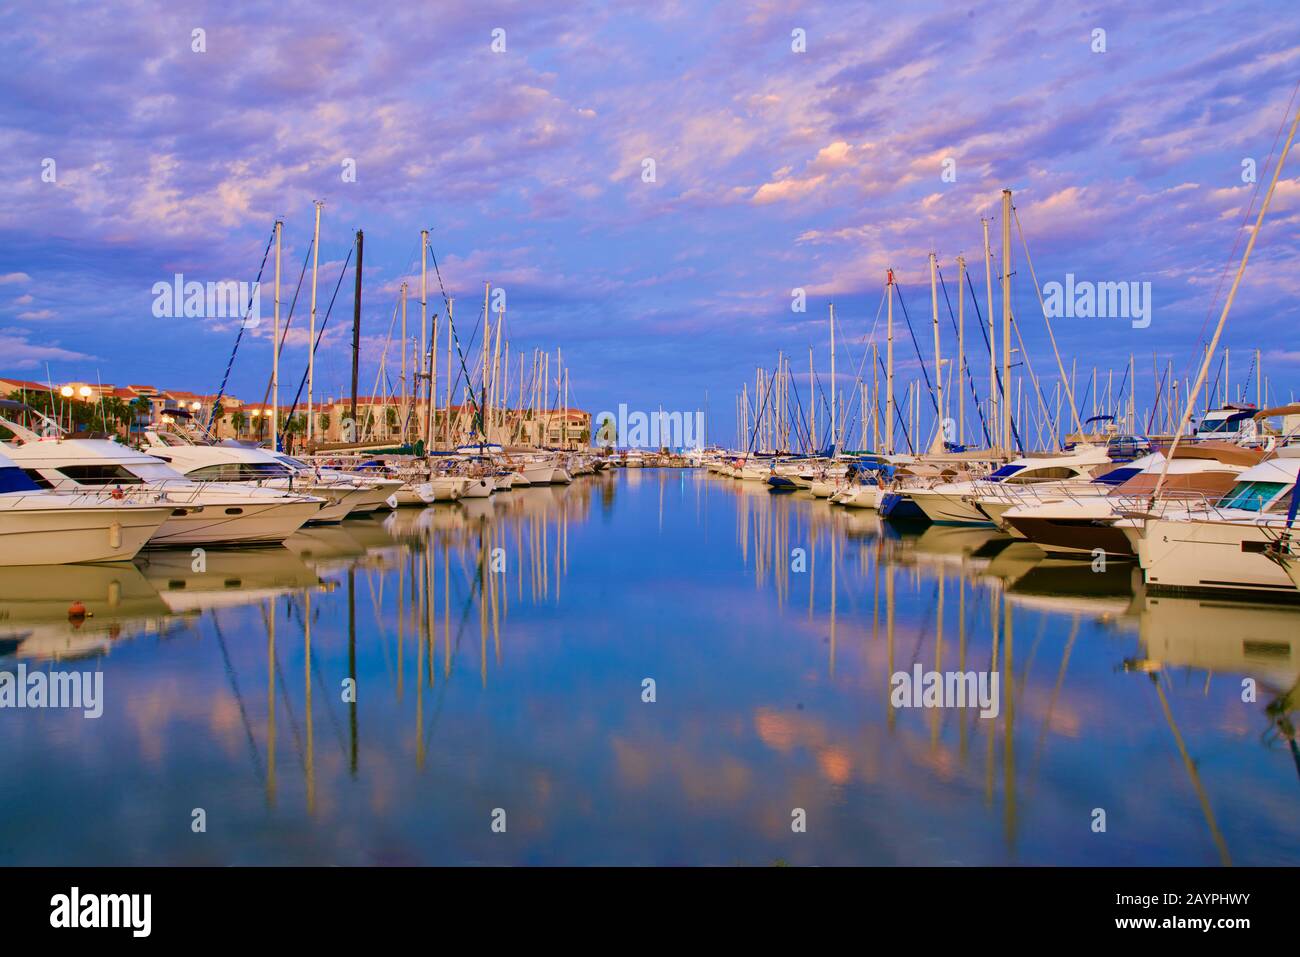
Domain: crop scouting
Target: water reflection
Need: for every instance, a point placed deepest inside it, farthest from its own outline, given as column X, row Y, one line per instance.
column 372, row 692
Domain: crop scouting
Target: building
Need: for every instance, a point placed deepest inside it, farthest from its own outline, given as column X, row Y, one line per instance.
column 379, row 418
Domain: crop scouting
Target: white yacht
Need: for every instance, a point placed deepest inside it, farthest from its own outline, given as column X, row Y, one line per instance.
column 246, row 464
column 1223, row 547
column 42, row 527
column 382, row 489
column 1080, row 519
column 957, row 503
column 201, row 513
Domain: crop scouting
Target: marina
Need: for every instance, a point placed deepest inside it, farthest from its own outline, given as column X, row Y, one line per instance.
column 519, row 685
column 504, row 460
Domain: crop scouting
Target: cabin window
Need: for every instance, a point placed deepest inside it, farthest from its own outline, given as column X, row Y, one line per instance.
column 1047, row 473
column 1005, row 471
column 106, row 474
column 239, row 472
column 38, row 480
column 1251, row 496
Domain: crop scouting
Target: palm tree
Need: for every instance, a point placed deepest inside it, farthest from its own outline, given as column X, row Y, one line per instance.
column 142, row 409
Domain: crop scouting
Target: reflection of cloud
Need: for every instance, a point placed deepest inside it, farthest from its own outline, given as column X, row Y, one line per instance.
column 701, row 778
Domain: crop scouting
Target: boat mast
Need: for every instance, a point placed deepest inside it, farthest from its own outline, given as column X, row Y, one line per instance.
column 961, row 352
column 275, row 345
column 835, row 437
column 937, row 444
column 311, row 337
column 451, row 331
column 422, row 374
column 406, row 410
column 812, row 400
column 993, row 342
column 875, row 398
column 356, row 332
column 889, row 364
column 1227, row 307
column 1006, row 315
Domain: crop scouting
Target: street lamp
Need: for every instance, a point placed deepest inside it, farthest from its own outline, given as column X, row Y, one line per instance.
column 84, row 392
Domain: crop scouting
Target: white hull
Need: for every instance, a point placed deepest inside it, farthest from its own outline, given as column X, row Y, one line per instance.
column 949, row 507
column 864, row 496
column 478, row 488
column 236, row 523
column 1209, row 555
column 54, row 529
column 823, row 489
column 537, row 474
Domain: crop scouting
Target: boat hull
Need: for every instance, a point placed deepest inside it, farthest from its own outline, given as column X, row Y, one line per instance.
column 64, row 535
column 235, row 523
column 1210, row 556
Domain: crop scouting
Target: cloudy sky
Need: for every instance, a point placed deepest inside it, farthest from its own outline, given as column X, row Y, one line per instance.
column 774, row 170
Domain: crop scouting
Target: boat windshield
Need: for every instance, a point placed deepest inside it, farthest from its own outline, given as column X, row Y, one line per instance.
column 1116, row 476
column 1229, row 423
column 1004, row 472
column 1252, row 496
column 14, row 479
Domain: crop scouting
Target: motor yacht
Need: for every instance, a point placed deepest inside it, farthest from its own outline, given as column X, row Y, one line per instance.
column 233, row 462
column 43, row 527
column 202, row 513
column 1224, row 546
column 957, row 502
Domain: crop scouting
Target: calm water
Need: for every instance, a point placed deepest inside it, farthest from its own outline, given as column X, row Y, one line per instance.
column 521, row 690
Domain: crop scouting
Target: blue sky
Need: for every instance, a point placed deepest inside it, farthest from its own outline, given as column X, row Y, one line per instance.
column 774, row 170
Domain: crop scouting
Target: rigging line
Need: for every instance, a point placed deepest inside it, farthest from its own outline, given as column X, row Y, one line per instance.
column 984, row 334
column 1218, row 374
column 1155, row 404
column 1245, row 218
column 898, row 414
column 969, row 378
column 1033, row 379
column 1065, row 382
column 1123, row 384
column 279, row 346
column 919, row 358
column 753, row 437
column 383, row 359
column 469, row 380
column 225, row 379
column 319, row 335
column 1227, row 304
column 797, row 421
